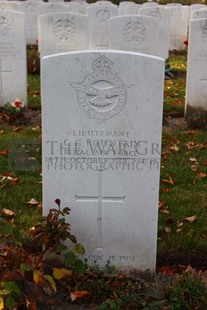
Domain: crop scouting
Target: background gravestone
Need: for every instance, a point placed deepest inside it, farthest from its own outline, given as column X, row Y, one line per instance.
column 99, row 24
column 13, row 74
column 101, row 151
column 163, row 16
column 135, row 33
column 196, row 83
column 62, row 32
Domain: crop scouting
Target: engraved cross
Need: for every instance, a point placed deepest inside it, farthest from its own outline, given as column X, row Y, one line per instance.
column 100, row 199
column 1, row 76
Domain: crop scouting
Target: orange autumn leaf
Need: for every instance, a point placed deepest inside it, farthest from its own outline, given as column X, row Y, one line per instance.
column 4, row 152
column 78, row 294
column 201, row 175
column 165, row 190
column 169, row 181
column 14, row 181
column 38, row 278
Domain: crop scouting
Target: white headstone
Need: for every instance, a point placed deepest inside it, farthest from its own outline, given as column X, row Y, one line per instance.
column 163, row 16
column 62, row 32
column 7, row 5
column 135, row 33
column 196, row 85
column 99, row 24
column 101, row 151
column 47, row 8
column 178, row 26
column 128, row 8
column 202, row 13
column 55, row 1
column 195, row 7
column 30, row 7
column 13, row 76
column 82, row 5
column 150, row 4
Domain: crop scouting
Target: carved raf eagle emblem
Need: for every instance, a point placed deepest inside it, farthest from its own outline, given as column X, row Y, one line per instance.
column 101, row 94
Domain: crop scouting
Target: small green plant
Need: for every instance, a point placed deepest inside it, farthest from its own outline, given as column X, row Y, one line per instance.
column 13, row 111
column 24, row 272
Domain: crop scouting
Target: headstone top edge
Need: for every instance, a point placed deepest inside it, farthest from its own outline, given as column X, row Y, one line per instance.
column 107, row 52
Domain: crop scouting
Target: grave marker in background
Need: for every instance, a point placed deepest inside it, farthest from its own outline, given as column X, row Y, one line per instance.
column 99, row 24
column 101, row 151
column 62, row 32
column 135, row 33
column 178, row 26
column 13, row 77
column 196, row 83
column 163, row 16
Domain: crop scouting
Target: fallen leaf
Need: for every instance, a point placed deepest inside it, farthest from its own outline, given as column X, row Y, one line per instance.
column 165, row 190
column 17, row 129
column 14, row 181
column 179, row 224
column 39, row 278
column 194, row 160
column 168, row 230
column 174, row 148
column 189, row 269
column 59, row 273
column 194, row 167
column 7, row 212
column 191, row 219
column 1, row 303
column 169, row 180
column 179, row 230
column 4, row 152
column 32, row 202
column 165, row 270
column 78, row 294
column 52, row 283
column 162, row 207
column 201, row 175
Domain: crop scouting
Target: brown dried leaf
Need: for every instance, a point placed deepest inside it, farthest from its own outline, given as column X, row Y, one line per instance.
column 191, row 219
column 179, row 230
column 78, row 294
column 174, row 148
column 189, row 269
column 17, row 129
column 7, row 212
column 201, row 175
column 168, row 230
column 32, row 202
column 4, row 152
column 169, row 180
column 14, row 181
column 165, row 190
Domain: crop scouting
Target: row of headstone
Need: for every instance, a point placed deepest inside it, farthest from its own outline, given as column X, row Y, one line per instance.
column 179, row 15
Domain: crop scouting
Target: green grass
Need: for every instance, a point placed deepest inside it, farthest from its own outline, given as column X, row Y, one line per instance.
column 24, row 164
column 34, row 100
column 183, row 188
